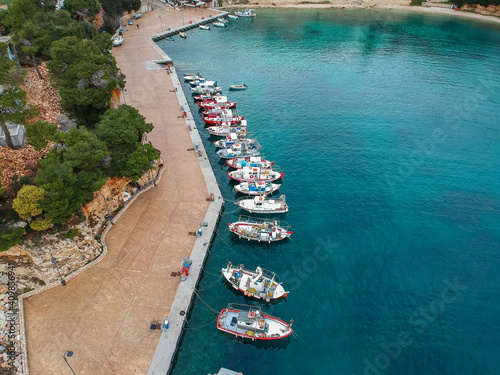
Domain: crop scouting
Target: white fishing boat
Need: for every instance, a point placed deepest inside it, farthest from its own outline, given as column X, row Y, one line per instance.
column 257, row 188
column 246, row 13
column 192, row 76
column 231, row 140
column 250, row 322
column 227, row 129
column 202, row 81
column 226, row 115
column 233, row 16
column 219, row 101
column 237, row 87
column 249, row 174
column 260, row 230
column 225, row 371
column 239, row 150
column 254, row 161
column 204, row 89
column 219, row 24
column 204, row 97
column 260, row 284
column 204, row 27
column 261, row 205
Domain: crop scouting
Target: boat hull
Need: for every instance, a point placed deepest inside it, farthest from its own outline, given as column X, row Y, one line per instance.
column 218, row 120
column 251, row 232
column 228, row 273
column 245, row 189
column 272, row 176
column 278, row 329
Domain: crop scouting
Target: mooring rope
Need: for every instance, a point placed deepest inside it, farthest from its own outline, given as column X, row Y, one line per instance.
column 203, row 326
column 208, row 286
column 210, row 307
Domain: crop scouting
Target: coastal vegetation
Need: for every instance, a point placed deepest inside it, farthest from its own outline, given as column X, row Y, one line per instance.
column 95, row 142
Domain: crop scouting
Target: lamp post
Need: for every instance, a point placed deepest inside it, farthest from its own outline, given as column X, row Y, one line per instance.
column 108, row 216
column 54, row 262
column 161, row 23
column 68, row 353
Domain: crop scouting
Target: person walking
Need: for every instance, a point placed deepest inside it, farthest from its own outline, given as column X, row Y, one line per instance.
column 137, row 25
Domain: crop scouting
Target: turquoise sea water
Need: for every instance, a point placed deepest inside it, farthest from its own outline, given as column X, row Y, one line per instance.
column 386, row 125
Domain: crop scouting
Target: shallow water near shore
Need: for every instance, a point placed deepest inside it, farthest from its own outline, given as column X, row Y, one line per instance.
column 386, row 126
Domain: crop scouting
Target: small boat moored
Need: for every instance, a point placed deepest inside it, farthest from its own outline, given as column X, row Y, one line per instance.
column 254, row 161
column 237, row 87
column 206, row 89
column 239, row 149
column 251, row 323
column 219, row 24
column 250, row 174
column 217, row 102
column 257, row 188
column 183, row 35
column 233, row 139
column 260, row 205
column 260, row 284
column 260, row 230
column 228, row 129
column 192, row 76
column 233, row 16
column 246, row 13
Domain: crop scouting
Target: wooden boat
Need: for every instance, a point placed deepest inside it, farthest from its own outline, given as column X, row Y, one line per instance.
column 227, row 129
column 260, row 205
column 260, row 284
column 225, row 116
column 255, row 161
column 239, row 149
column 217, row 102
column 260, row 230
column 233, row 139
column 237, row 87
column 246, row 13
column 202, row 81
column 257, row 188
column 249, row 174
column 219, row 24
column 251, row 323
column 204, row 89
column 192, row 76
column 183, row 35
column 204, row 97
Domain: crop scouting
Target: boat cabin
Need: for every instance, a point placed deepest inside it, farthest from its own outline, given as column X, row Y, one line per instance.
column 250, row 321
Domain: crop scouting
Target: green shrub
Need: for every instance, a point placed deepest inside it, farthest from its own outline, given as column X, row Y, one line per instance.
column 71, row 233
column 11, row 237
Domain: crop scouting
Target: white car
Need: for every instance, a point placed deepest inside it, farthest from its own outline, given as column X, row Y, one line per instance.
column 118, row 41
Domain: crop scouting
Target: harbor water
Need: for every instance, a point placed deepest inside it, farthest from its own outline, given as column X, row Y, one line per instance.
column 386, row 126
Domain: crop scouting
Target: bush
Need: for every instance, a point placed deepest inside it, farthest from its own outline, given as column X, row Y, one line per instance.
column 11, row 237
column 71, row 233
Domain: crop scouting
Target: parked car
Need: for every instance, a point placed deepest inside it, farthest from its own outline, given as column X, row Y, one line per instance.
column 131, row 21
column 118, row 41
column 138, row 15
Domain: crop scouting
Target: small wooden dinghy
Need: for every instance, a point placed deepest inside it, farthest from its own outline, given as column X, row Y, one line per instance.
column 183, row 35
column 237, row 87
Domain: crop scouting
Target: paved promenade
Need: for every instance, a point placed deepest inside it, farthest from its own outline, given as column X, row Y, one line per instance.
column 104, row 315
